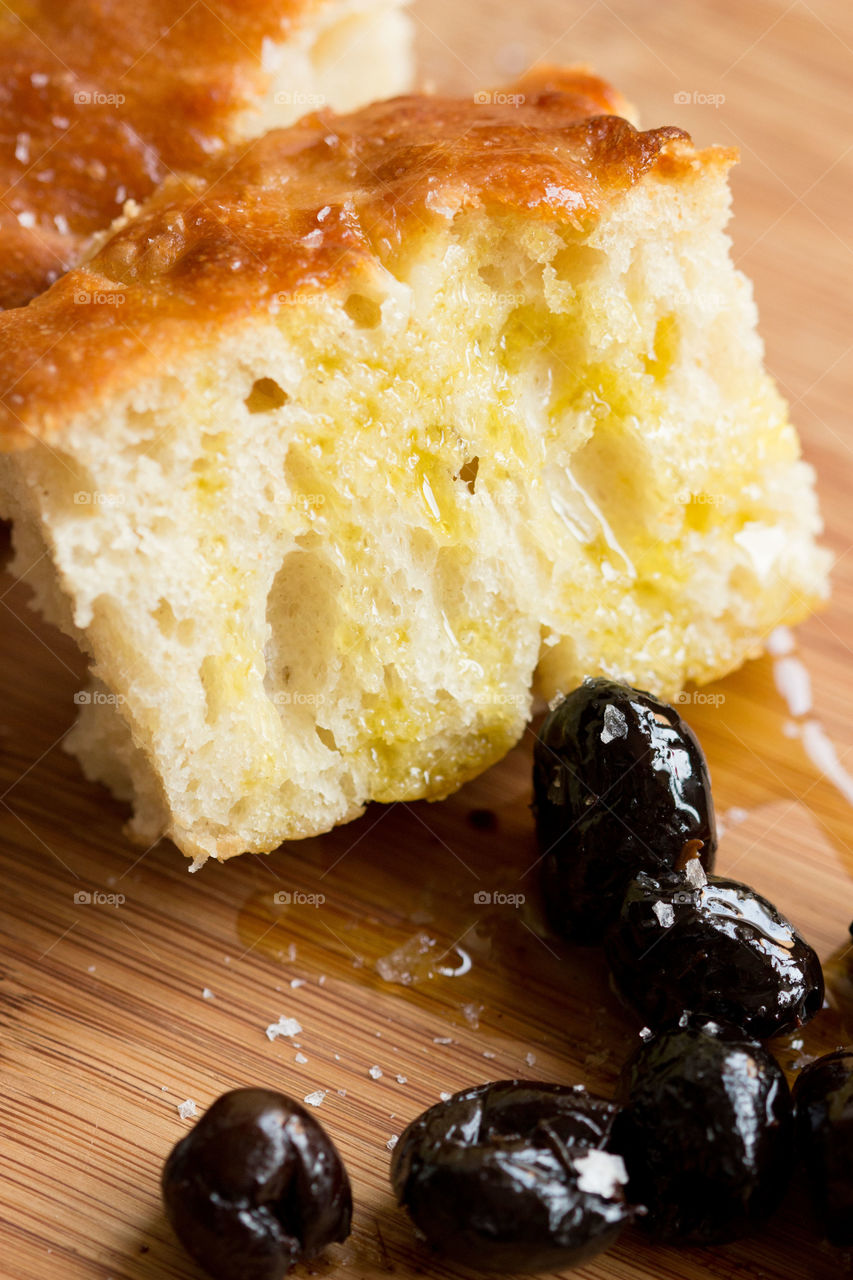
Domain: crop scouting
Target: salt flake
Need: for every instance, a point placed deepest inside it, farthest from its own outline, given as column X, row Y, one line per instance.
column 284, row 1027
column 615, row 724
column 600, row 1173
column 694, row 873
column 664, row 913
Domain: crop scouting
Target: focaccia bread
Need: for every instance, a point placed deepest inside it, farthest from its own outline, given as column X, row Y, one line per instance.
column 382, row 423
column 101, row 100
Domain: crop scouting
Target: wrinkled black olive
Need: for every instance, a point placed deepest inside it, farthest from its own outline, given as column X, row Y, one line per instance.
column 256, row 1186
column 706, row 1133
column 620, row 785
column 716, row 949
column 513, row 1176
column 823, row 1098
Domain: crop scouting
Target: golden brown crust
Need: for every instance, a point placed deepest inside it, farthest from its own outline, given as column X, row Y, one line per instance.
column 304, row 207
column 101, row 99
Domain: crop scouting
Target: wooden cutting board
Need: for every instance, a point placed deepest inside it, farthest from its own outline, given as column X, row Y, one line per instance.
column 116, row 1010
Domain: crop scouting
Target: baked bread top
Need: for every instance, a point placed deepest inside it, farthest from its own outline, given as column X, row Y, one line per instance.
column 302, row 208
column 101, row 100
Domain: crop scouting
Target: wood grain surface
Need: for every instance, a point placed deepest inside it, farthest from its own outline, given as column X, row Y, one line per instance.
column 105, row 1024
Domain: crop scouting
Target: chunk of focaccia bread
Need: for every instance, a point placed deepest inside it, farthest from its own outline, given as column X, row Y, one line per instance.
column 324, row 460
column 101, row 99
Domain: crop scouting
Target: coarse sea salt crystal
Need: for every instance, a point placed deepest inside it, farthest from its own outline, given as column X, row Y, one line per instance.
column 615, row 724
column 315, row 1099
column 442, row 1039
column 664, row 913
column 445, row 1097
column 284, row 1027
column 530, row 1059
column 297, row 982
column 375, row 1073
column 186, row 1110
column 402, row 1080
column 694, row 873
column 780, row 641
column 793, row 682
column 600, row 1173
column 392, row 1142
column 206, row 993
column 300, row 1058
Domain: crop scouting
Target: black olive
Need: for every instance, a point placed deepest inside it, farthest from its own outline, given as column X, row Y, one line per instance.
column 256, row 1186
column 823, row 1098
column 620, row 785
column 513, row 1176
column 706, row 1133
column 713, row 948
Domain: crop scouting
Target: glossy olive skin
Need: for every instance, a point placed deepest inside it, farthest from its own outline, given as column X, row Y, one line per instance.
column 620, row 785
column 256, row 1186
column 491, row 1177
column 717, row 950
column 823, row 1099
column 706, row 1134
